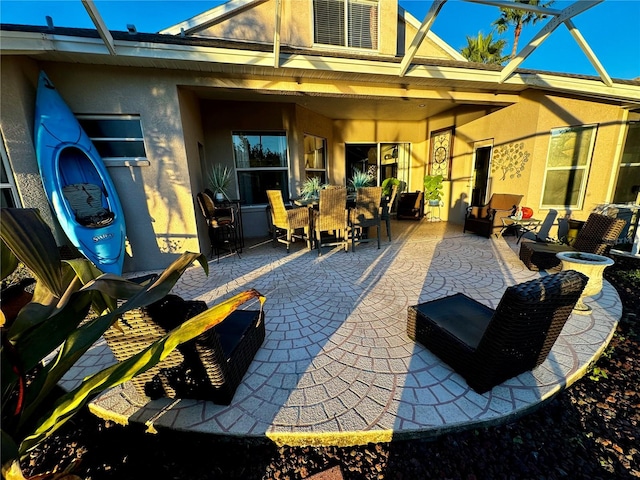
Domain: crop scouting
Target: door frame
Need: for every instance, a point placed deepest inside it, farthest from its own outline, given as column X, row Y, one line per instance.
column 477, row 146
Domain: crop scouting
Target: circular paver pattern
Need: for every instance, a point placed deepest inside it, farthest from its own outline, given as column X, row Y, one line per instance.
column 337, row 366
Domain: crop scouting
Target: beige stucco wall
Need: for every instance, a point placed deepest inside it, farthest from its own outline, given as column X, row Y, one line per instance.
column 19, row 79
column 371, row 131
column 156, row 199
column 257, row 24
column 528, row 123
column 221, row 118
column 162, row 217
column 193, row 142
column 428, row 48
column 310, row 123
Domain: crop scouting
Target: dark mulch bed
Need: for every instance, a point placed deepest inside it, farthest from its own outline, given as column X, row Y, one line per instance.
column 590, row 431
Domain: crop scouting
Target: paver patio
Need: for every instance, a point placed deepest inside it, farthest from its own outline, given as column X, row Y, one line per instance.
column 337, row 367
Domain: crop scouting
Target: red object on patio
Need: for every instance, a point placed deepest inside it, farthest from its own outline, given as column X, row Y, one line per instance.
column 527, row 212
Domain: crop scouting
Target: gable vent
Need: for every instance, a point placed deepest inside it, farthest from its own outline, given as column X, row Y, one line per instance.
column 360, row 30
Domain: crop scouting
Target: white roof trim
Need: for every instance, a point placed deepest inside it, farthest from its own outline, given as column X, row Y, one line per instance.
column 26, row 43
column 210, row 17
column 414, row 22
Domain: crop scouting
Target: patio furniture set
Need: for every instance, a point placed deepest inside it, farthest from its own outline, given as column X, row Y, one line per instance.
column 485, row 346
column 333, row 219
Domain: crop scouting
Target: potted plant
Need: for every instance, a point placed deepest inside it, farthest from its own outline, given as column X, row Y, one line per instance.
column 360, row 179
column 433, row 188
column 219, row 179
column 311, row 188
column 387, row 185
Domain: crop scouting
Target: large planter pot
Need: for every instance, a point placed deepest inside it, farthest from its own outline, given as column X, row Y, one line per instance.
column 592, row 266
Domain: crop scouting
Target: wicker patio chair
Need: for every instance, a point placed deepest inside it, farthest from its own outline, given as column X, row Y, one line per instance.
column 488, row 347
column 290, row 221
column 331, row 219
column 411, row 206
column 365, row 215
column 209, row 367
column 598, row 235
column 486, row 219
column 387, row 205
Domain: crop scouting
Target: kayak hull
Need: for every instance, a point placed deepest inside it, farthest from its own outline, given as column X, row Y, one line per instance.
column 67, row 157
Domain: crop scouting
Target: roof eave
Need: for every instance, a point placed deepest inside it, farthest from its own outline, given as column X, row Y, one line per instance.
column 29, row 43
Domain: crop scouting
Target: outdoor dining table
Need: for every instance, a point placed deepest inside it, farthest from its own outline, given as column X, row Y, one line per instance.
column 521, row 226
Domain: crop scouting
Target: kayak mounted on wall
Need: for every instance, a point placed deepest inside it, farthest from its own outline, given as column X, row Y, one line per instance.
column 76, row 182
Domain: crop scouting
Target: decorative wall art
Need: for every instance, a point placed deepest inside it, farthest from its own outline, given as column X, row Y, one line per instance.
column 441, row 148
column 509, row 159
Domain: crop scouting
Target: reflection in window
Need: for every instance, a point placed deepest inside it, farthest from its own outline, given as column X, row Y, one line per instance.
column 568, row 161
column 117, row 138
column 315, row 158
column 628, row 183
column 261, row 164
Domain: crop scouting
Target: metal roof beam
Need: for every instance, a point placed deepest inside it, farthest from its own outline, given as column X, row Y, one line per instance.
column 569, row 12
column 430, row 17
column 518, row 6
column 103, row 31
column 584, row 46
column 276, row 35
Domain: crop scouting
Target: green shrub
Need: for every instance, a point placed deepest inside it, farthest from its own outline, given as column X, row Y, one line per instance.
column 54, row 320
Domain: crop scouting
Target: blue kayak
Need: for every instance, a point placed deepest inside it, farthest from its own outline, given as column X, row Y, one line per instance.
column 77, row 183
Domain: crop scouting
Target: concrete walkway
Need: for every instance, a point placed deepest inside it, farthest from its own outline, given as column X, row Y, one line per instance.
column 337, row 367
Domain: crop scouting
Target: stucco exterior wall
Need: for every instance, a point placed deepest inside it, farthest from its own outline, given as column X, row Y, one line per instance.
column 221, row 118
column 556, row 111
column 310, row 123
column 526, row 126
column 257, row 24
column 19, row 79
column 156, row 199
column 194, row 143
column 456, row 190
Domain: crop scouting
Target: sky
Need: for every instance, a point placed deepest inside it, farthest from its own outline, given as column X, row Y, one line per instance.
column 611, row 28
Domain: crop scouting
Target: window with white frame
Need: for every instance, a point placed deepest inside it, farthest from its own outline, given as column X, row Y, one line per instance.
column 629, row 173
column 315, row 157
column 117, row 138
column 346, row 23
column 568, row 161
column 261, row 164
column 9, row 194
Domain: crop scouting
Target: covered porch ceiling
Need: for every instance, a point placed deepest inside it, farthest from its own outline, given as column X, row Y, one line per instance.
column 343, row 107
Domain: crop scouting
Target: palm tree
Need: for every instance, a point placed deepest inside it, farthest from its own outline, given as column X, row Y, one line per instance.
column 519, row 18
column 484, row 49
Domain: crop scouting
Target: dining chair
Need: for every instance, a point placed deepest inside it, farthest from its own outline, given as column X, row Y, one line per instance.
column 331, row 218
column 387, row 206
column 290, row 221
column 365, row 215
